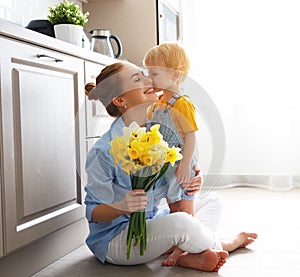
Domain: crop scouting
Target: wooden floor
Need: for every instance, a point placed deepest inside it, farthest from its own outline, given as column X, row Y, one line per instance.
column 273, row 215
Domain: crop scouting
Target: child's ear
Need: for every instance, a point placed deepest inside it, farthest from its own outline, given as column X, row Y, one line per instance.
column 176, row 75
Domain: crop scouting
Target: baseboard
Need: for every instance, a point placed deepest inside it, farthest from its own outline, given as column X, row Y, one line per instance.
column 272, row 182
column 41, row 253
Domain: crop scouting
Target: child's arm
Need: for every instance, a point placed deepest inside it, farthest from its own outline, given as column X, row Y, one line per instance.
column 183, row 170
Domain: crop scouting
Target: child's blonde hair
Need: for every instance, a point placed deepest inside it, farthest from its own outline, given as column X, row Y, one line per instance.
column 170, row 55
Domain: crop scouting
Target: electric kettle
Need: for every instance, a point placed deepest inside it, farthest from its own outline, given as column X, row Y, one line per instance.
column 101, row 43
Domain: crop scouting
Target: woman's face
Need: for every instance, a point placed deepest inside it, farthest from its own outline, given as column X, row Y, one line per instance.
column 138, row 88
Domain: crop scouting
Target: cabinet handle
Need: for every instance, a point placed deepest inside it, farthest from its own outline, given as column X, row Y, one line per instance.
column 46, row 56
column 92, row 137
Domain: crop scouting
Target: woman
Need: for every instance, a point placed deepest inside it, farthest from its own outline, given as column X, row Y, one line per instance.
column 126, row 94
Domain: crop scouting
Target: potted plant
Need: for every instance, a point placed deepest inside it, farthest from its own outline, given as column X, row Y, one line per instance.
column 68, row 20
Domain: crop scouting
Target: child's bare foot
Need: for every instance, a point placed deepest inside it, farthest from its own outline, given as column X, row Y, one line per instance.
column 169, row 251
column 241, row 240
column 208, row 260
column 172, row 259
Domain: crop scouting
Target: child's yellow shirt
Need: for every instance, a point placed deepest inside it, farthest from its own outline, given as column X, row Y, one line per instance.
column 183, row 113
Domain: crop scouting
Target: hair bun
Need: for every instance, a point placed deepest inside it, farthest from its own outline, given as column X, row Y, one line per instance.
column 88, row 87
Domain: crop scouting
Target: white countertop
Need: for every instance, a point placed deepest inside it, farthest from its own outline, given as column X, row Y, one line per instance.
column 14, row 31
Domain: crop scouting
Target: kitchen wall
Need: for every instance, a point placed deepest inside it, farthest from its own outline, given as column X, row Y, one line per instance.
column 133, row 21
column 245, row 54
column 21, row 12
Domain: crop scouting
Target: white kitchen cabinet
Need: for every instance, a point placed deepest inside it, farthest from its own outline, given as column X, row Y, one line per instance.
column 43, row 141
column 97, row 119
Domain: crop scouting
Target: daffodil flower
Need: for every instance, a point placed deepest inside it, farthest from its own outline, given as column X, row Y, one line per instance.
column 145, row 156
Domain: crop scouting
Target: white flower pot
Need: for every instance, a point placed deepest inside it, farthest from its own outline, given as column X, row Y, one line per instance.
column 69, row 32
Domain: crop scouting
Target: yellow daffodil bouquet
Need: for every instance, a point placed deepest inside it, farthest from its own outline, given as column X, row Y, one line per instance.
column 145, row 156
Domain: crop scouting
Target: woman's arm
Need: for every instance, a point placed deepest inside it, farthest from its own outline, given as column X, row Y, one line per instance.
column 133, row 201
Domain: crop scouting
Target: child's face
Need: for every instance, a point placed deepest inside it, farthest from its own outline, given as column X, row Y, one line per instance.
column 162, row 78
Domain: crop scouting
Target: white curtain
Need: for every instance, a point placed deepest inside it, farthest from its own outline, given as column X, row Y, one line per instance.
column 245, row 55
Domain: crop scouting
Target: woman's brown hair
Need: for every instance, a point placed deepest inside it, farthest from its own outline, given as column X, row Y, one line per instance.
column 107, row 85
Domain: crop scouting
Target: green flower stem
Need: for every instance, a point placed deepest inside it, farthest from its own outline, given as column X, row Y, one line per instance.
column 137, row 223
column 129, row 235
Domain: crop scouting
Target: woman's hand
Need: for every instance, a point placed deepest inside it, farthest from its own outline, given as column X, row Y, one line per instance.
column 134, row 200
column 193, row 185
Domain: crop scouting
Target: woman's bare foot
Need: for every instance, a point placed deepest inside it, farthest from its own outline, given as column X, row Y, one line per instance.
column 208, row 260
column 172, row 259
column 241, row 240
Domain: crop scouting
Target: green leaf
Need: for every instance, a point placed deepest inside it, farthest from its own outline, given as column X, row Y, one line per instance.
column 67, row 13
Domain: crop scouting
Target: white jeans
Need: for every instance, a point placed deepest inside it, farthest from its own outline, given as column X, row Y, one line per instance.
column 181, row 229
column 208, row 207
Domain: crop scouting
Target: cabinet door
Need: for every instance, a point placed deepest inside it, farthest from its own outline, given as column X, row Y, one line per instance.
column 97, row 119
column 42, row 102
